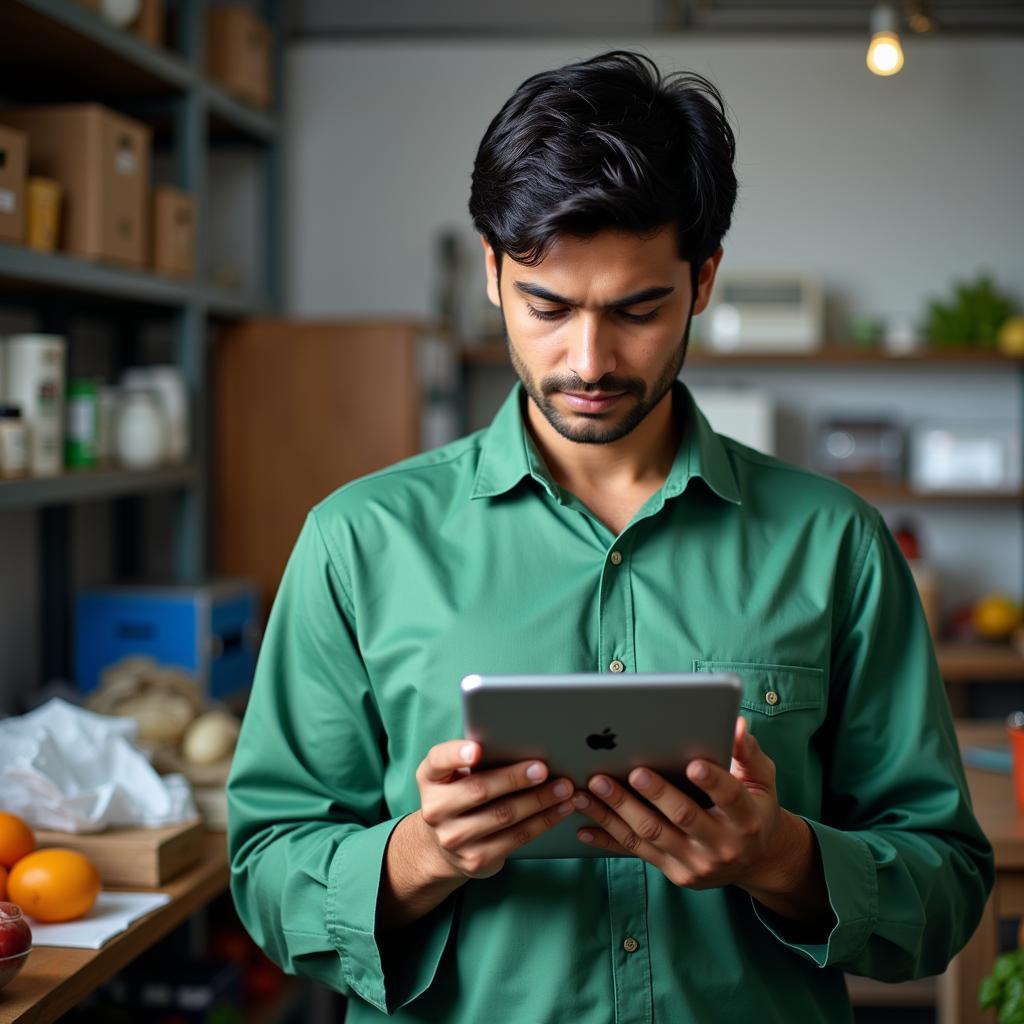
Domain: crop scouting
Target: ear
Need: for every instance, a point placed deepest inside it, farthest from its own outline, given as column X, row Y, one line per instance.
column 491, row 268
column 706, row 280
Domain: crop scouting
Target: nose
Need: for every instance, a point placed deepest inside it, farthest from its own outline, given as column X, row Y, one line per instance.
column 591, row 355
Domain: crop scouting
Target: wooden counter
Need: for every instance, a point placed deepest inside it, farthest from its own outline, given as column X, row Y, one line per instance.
column 996, row 809
column 56, row 979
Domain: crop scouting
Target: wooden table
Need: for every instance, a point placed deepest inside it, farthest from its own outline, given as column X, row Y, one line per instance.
column 55, row 979
column 996, row 809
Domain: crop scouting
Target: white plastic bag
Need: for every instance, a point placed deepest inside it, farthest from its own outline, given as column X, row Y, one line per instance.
column 62, row 767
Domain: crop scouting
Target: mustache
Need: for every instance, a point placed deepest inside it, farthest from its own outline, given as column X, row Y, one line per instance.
column 607, row 385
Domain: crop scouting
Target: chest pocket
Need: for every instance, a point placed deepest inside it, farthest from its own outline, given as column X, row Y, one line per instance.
column 785, row 706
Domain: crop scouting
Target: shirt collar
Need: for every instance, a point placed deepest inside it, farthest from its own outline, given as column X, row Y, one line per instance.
column 508, row 453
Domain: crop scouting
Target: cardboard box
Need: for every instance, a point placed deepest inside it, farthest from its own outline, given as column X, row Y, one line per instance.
column 42, row 214
column 148, row 857
column 238, row 53
column 149, row 25
column 173, row 232
column 13, row 149
column 101, row 161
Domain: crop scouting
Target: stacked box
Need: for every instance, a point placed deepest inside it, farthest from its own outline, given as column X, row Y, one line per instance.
column 13, row 163
column 101, row 161
column 238, row 53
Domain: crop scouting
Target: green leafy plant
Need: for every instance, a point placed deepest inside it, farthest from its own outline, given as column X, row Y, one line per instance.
column 974, row 316
column 1003, row 989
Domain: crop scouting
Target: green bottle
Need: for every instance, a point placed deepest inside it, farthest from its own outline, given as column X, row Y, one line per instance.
column 80, row 440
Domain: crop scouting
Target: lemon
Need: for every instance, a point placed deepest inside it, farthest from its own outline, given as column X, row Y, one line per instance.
column 996, row 616
column 1011, row 336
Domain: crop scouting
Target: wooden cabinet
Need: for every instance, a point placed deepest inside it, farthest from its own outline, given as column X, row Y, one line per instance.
column 302, row 408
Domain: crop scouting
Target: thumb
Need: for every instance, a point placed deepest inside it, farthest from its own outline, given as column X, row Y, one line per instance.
column 749, row 761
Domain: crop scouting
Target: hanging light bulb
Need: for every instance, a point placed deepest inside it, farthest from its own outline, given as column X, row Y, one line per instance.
column 885, row 55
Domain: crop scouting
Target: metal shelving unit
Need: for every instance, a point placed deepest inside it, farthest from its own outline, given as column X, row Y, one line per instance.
column 61, row 51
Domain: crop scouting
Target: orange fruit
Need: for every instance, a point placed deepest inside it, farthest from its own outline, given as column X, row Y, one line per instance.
column 16, row 839
column 54, row 884
column 3, row 883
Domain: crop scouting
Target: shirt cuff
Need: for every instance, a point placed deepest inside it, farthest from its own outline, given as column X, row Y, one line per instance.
column 353, row 885
column 852, row 884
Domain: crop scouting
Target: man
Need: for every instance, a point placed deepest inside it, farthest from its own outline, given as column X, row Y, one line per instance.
column 599, row 524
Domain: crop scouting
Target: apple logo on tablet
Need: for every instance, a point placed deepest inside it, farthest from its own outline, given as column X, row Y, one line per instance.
column 604, row 740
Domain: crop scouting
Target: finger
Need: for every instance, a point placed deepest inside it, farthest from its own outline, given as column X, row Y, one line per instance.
column 457, row 795
column 751, row 764
column 740, row 734
column 727, row 792
column 505, row 813
column 644, row 833
column 501, row 844
column 677, row 807
column 445, row 759
column 597, row 837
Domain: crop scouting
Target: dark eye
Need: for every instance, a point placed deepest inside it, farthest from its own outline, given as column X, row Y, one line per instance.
column 639, row 318
column 541, row 314
column 555, row 314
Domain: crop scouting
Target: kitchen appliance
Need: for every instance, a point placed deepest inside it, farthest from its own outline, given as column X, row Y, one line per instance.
column 765, row 312
column 966, row 458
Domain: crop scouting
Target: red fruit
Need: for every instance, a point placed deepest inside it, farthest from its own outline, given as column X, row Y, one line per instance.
column 15, row 934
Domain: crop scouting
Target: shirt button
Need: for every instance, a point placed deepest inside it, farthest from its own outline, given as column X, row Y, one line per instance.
column 616, row 558
column 630, row 945
column 771, row 697
column 616, row 666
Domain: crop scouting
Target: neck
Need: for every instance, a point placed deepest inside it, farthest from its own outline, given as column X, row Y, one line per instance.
column 639, row 460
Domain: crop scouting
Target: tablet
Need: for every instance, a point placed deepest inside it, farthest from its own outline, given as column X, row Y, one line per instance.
column 582, row 723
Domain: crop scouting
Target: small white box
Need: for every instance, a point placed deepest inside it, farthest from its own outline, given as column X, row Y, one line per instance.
column 744, row 414
column 966, row 458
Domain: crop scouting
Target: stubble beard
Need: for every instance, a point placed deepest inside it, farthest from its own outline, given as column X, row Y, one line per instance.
column 591, row 430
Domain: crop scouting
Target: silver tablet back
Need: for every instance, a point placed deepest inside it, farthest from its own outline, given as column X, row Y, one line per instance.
column 583, row 723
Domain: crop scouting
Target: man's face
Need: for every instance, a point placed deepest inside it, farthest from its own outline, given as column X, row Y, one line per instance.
column 604, row 319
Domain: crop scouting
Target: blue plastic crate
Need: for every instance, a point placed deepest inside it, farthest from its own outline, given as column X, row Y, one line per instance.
column 210, row 630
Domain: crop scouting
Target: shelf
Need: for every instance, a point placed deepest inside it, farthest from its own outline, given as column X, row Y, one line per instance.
column 92, row 485
column 981, row 662
column 881, row 493
column 60, row 50
column 230, row 305
column 20, row 265
column 832, row 355
column 56, row 979
column 25, row 273
column 495, row 353
column 232, row 120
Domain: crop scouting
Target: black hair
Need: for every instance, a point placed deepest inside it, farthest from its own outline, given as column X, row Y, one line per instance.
column 606, row 143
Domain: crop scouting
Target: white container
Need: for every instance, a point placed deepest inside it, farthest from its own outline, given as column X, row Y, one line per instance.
column 34, row 380
column 169, row 384
column 141, row 430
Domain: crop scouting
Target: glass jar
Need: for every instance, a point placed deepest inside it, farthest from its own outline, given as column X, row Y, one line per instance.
column 13, row 442
column 141, row 439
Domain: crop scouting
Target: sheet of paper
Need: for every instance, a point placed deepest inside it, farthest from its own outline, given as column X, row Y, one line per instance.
column 111, row 915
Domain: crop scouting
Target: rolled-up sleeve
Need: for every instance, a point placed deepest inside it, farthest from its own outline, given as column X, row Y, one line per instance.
column 308, row 825
column 906, row 864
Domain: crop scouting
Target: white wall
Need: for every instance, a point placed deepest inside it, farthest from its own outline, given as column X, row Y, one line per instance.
column 888, row 188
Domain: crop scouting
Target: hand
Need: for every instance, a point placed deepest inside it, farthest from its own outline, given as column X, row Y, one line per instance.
column 474, row 820
column 743, row 839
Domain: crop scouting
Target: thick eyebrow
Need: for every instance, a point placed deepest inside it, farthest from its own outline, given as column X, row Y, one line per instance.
column 657, row 292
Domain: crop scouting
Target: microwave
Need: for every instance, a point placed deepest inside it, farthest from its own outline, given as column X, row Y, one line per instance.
column 765, row 312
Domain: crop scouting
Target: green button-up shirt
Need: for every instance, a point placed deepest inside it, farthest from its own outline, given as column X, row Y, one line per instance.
column 471, row 558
